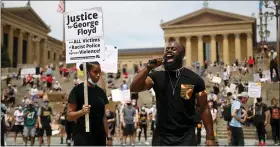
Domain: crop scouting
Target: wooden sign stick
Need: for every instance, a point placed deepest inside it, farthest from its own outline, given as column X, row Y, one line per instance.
column 86, row 95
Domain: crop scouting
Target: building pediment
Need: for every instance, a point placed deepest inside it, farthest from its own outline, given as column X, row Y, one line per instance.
column 207, row 16
column 28, row 14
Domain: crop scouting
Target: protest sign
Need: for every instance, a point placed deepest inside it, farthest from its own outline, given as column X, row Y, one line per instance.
column 84, row 23
column 256, row 77
column 84, row 41
column 232, row 88
column 120, row 96
column 26, row 71
column 217, row 80
column 86, row 50
column 254, row 89
column 110, row 63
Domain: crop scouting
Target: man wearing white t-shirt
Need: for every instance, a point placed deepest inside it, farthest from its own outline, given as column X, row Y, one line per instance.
column 214, row 117
column 33, row 92
column 225, row 77
column 19, row 122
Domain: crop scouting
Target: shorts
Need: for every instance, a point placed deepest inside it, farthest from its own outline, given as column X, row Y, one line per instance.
column 29, row 131
column 19, row 128
column 128, row 130
column 42, row 131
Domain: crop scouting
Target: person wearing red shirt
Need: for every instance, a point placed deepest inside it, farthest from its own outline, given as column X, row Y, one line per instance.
column 66, row 71
column 49, row 81
column 250, row 62
column 60, row 68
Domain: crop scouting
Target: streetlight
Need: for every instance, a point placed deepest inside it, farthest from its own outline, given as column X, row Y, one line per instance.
column 275, row 5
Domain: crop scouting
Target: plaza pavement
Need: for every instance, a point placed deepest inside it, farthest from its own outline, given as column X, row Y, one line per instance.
column 56, row 142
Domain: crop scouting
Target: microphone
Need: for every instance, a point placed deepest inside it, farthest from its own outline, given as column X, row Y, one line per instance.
column 154, row 61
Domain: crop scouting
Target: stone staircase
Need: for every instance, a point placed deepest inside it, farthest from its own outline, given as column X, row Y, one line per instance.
column 249, row 132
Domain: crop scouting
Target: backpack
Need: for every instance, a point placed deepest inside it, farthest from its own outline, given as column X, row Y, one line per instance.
column 227, row 112
column 275, row 113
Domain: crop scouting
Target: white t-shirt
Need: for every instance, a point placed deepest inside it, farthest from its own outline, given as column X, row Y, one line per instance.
column 225, row 76
column 213, row 111
column 124, row 87
column 56, row 86
column 19, row 117
column 212, row 96
column 33, row 91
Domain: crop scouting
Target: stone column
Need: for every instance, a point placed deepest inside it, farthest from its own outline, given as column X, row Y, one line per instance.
column 225, row 49
column 166, row 41
column 37, row 50
column 29, row 49
column 237, row 47
column 249, row 45
column 20, row 46
column 213, row 49
column 188, row 54
column 2, row 34
column 44, row 54
column 11, row 44
column 177, row 39
column 200, row 50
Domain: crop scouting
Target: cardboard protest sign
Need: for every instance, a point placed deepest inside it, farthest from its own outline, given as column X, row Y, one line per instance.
column 84, row 36
column 84, row 24
column 110, row 63
column 232, row 88
column 120, row 96
column 256, row 77
column 254, row 89
column 26, row 71
column 217, row 80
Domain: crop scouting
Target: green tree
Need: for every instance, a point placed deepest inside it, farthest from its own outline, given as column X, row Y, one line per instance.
column 5, row 60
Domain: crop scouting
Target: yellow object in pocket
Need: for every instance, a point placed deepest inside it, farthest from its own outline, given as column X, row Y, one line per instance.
column 198, row 125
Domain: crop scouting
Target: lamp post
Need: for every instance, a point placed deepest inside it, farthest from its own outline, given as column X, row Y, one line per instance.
column 275, row 5
column 262, row 27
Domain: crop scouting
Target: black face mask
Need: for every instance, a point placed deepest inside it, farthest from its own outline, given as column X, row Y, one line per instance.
column 30, row 106
column 129, row 104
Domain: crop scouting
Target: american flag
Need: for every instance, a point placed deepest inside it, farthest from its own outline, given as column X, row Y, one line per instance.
column 60, row 7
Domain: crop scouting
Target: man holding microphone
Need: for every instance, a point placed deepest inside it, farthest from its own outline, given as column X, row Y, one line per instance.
column 176, row 89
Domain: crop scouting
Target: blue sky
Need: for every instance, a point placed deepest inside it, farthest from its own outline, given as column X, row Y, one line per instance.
column 135, row 24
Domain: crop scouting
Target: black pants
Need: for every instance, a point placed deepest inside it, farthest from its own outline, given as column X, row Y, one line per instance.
column 152, row 125
column 68, row 129
column 88, row 139
column 3, row 130
column 275, row 127
column 143, row 127
column 188, row 139
column 198, row 135
column 226, row 82
column 276, row 70
column 261, row 131
column 237, row 137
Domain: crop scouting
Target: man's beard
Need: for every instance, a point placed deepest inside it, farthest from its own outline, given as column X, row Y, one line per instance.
column 175, row 64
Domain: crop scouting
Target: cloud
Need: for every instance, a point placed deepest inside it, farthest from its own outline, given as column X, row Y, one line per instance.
column 131, row 24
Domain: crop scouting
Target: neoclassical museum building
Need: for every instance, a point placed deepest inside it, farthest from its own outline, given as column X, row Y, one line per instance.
column 207, row 34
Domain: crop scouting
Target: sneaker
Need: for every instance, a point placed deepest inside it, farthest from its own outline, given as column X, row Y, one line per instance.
column 260, row 144
column 263, row 144
column 147, row 143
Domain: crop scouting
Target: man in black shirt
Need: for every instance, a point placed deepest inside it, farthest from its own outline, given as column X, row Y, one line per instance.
column 176, row 89
column 44, row 119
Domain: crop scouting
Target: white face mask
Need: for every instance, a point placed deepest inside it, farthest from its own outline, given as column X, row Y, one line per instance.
column 91, row 82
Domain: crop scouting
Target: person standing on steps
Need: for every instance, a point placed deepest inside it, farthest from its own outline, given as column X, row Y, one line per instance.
column 143, row 124
column 275, row 121
column 30, row 122
column 176, row 89
column 19, row 122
